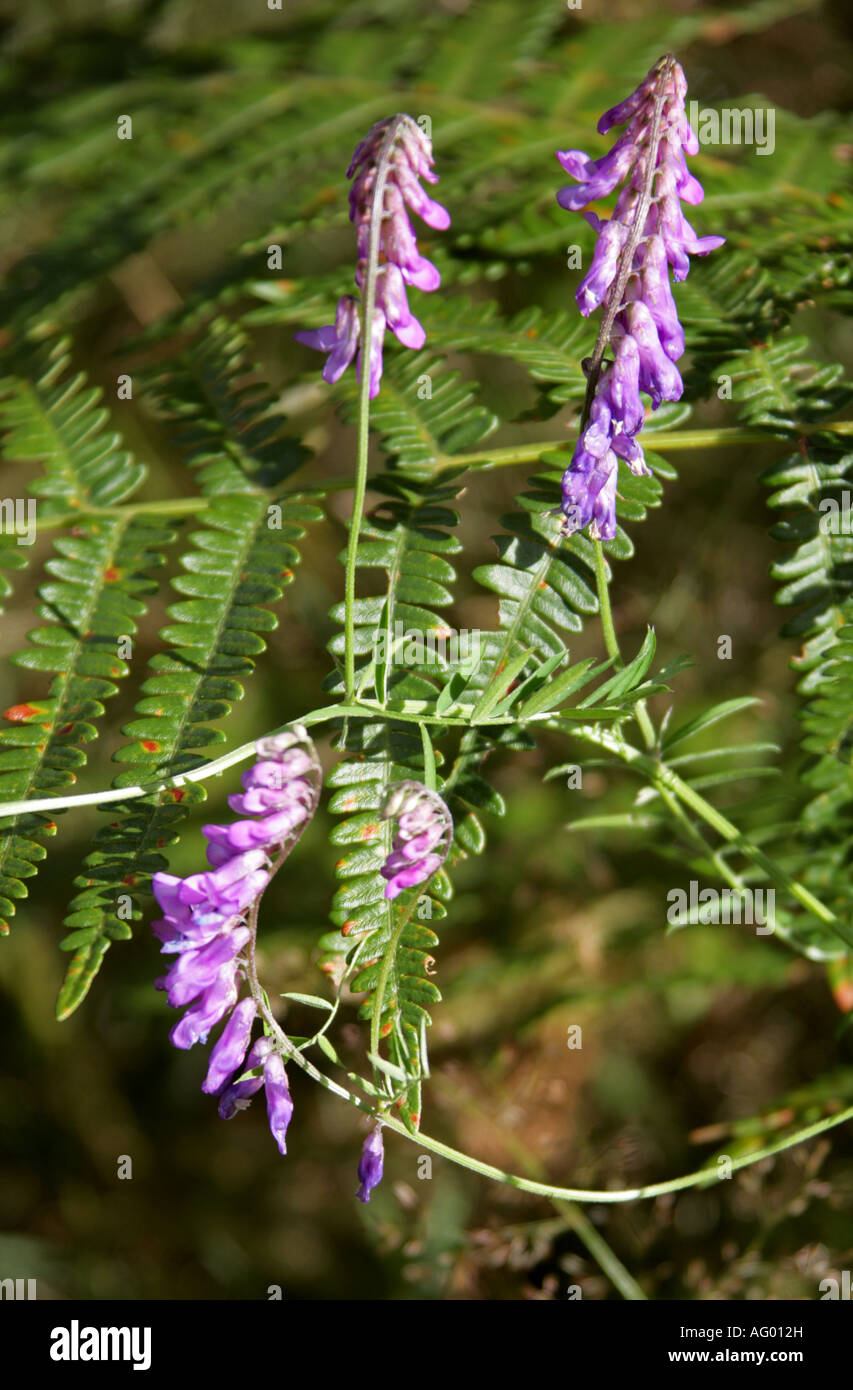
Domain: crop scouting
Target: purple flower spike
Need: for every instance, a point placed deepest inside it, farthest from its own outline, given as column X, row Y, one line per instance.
column 391, row 160
column 209, row 924
column 425, row 829
column 646, row 236
column 370, row 1164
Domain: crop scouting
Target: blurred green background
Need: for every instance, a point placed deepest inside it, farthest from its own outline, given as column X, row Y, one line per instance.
column 683, row 1035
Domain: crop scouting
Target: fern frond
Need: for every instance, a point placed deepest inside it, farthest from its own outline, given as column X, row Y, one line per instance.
column 91, row 600
column 54, row 420
column 223, row 415
column 238, row 566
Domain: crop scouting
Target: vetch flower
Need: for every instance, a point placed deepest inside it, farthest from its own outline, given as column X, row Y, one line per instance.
column 629, row 276
column 370, row 1164
column 424, row 832
column 208, row 924
column 338, row 339
column 386, row 167
column 228, row 1054
column 279, row 1103
column 237, row 1095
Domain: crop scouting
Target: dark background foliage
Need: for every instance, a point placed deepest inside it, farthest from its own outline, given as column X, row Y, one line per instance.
column 707, row 1039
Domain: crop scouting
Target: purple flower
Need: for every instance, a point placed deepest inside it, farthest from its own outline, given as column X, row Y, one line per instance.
column 645, row 335
column 208, row 924
column 425, row 829
column 370, row 1164
column 398, row 150
column 238, row 1094
column 589, row 494
column 279, row 1103
column 229, row 1052
column 339, row 340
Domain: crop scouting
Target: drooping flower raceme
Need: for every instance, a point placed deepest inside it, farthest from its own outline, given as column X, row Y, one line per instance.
column 424, row 832
column 645, row 236
column 208, row 925
column 387, row 167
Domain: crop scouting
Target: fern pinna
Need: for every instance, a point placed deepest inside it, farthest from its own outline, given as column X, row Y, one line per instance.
column 417, row 722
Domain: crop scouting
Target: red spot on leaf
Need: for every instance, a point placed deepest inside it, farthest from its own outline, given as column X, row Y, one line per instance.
column 111, row 573
column 17, row 714
column 150, row 745
column 386, row 1028
column 368, row 832
column 178, row 793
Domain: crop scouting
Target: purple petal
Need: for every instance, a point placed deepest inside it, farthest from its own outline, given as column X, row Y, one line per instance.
column 279, row 1102
column 370, row 1165
column 230, row 1050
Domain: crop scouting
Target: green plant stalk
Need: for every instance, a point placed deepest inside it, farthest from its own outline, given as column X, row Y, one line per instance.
column 665, row 442
column 609, row 1261
column 611, row 641
column 410, row 712
column 656, row 772
column 704, row 1177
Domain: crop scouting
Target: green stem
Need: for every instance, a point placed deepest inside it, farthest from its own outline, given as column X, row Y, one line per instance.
column 704, row 1177
column 357, row 509
column 725, row 870
column 608, row 1260
column 408, row 712
column 664, row 442
column 667, row 442
column 611, row 641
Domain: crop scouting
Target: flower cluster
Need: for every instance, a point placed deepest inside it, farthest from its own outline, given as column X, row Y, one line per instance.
column 209, row 921
column 646, row 336
column 395, row 154
column 424, row 832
